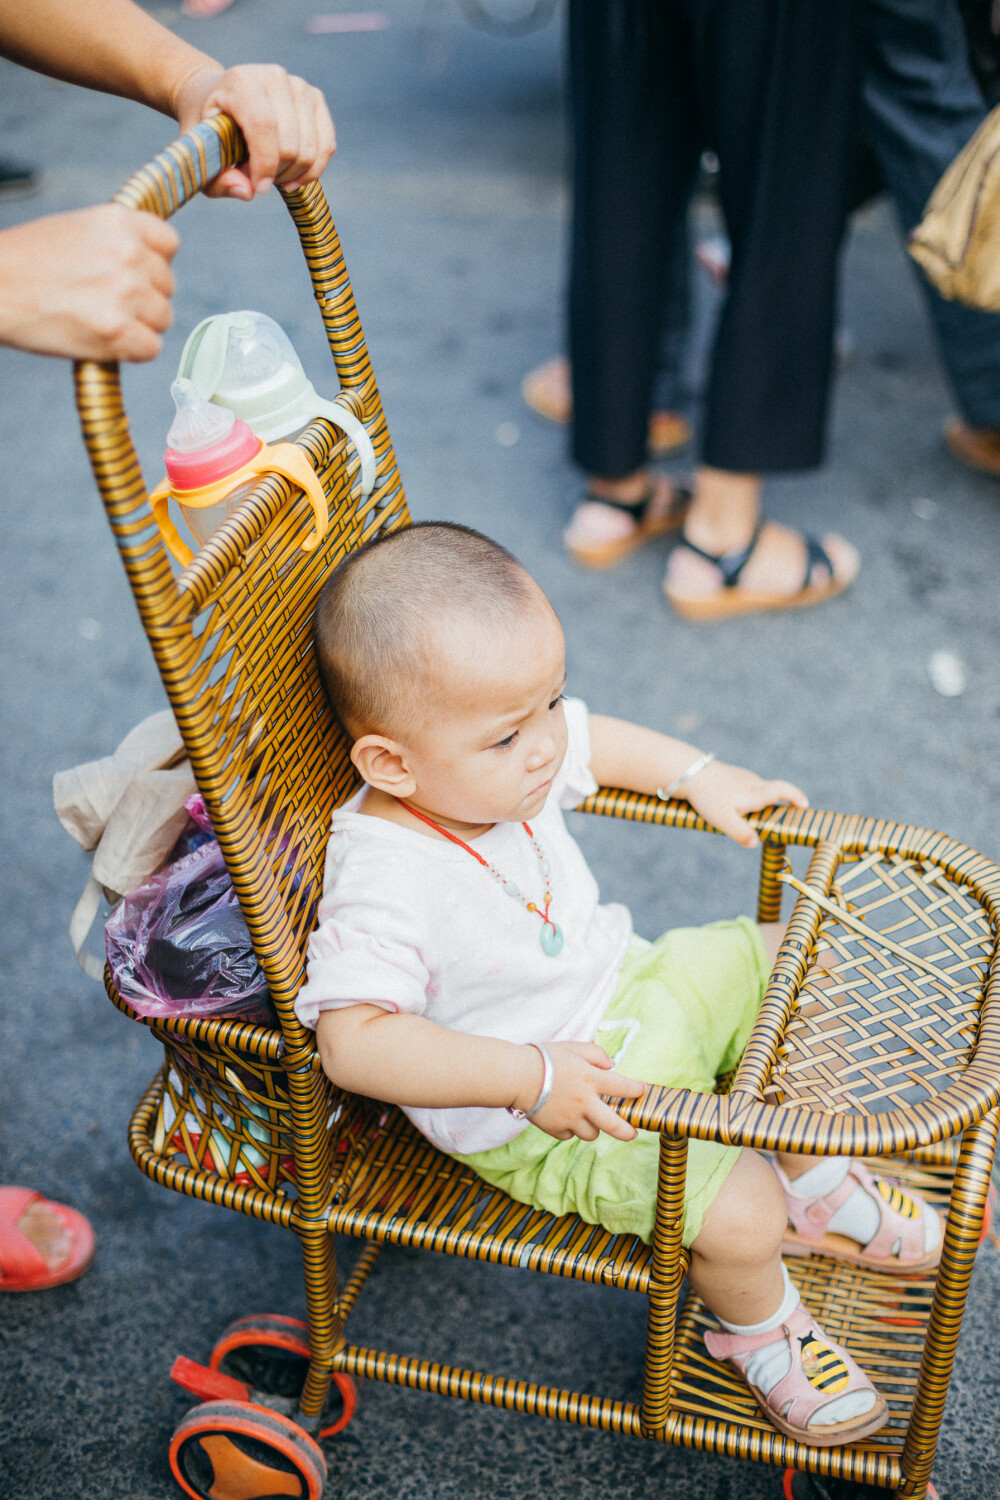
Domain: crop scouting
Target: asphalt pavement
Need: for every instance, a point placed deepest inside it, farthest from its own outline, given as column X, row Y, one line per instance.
column 448, row 190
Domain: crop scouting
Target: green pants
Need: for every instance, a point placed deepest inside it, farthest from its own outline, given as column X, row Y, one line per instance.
column 680, row 1016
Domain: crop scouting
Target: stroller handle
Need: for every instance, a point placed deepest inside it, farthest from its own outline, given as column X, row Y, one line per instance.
column 161, row 187
column 180, row 172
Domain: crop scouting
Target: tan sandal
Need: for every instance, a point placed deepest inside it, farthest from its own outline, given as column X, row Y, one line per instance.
column 650, row 521
column 546, row 390
column 730, row 600
column 901, row 1220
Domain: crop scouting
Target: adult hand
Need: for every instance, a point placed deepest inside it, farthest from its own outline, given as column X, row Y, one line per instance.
column 583, row 1073
column 94, row 284
column 289, row 133
column 724, row 794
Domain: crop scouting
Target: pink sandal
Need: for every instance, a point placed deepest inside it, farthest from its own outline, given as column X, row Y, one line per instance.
column 902, row 1219
column 821, row 1372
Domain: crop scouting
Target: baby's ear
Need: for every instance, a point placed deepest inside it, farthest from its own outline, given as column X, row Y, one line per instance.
column 383, row 764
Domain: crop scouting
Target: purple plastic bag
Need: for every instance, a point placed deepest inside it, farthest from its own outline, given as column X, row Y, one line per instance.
column 178, row 945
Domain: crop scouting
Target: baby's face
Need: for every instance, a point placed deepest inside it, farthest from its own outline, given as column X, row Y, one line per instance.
column 493, row 734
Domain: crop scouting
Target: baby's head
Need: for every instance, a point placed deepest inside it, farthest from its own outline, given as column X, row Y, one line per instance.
column 444, row 662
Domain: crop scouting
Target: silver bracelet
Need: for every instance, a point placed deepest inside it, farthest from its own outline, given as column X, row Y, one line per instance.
column 548, row 1080
column 666, row 792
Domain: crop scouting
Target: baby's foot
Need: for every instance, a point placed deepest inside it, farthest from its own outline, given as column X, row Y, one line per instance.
column 808, row 1386
column 838, row 1208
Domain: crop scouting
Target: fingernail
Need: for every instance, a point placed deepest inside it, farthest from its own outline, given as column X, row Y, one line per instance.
column 264, row 184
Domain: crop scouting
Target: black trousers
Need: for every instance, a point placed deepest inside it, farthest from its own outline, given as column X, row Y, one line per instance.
column 772, row 87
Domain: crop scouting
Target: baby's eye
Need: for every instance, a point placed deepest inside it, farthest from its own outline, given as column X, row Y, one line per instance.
column 507, row 743
column 556, row 701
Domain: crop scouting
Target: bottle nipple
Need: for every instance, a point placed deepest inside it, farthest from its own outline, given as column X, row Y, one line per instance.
column 206, row 442
column 198, row 424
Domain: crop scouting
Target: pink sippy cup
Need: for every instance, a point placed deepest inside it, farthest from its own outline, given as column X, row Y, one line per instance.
column 213, row 461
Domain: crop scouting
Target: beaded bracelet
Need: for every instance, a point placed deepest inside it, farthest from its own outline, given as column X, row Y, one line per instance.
column 666, row 792
column 548, row 1080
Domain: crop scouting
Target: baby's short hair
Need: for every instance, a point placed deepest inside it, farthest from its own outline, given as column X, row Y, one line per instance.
column 375, row 619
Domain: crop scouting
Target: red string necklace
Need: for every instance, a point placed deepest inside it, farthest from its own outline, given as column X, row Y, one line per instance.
column 552, row 934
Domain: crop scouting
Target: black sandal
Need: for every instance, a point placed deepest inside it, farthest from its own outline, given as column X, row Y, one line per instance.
column 731, row 600
column 647, row 525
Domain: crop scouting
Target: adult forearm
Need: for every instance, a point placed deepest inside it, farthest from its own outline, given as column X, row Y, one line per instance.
column 408, row 1060
column 111, row 45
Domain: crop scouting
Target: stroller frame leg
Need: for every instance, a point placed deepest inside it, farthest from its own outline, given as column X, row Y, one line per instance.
column 961, row 1241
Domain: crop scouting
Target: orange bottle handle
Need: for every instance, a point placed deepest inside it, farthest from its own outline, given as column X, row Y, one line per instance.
column 160, row 501
column 290, row 460
column 283, row 458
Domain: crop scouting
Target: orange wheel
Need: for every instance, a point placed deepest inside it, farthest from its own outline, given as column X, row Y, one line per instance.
column 271, row 1353
column 232, row 1450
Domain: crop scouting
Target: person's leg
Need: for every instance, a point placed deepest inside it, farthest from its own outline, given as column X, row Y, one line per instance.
column 736, row 1258
column 635, row 152
column 807, row 1385
column 634, row 156
column 547, row 389
column 847, row 1208
column 781, row 80
column 670, row 387
column 921, row 106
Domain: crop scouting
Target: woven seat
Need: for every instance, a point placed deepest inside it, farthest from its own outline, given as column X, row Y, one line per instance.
column 890, row 1047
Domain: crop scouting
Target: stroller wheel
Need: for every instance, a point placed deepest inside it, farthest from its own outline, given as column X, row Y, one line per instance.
column 271, row 1353
column 231, row 1450
column 799, row 1486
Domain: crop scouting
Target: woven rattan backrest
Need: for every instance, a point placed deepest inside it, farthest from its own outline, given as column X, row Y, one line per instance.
column 232, row 634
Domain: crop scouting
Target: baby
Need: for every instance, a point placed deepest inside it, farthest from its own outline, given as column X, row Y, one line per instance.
column 464, row 968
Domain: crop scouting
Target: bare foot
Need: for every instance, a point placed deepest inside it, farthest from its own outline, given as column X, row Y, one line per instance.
column 546, row 390
column 43, row 1227
column 597, row 526
column 776, row 566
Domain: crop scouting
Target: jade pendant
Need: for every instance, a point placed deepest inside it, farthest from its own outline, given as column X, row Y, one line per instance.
column 552, row 938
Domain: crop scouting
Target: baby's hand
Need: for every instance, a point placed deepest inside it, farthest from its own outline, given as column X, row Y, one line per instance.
column 723, row 794
column 583, row 1072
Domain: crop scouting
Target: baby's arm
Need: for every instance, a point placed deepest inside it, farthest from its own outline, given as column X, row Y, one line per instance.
column 406, row 1059
column 642, row 760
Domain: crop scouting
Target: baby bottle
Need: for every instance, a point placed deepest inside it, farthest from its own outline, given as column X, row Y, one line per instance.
column 246, row 362
column 214, row 461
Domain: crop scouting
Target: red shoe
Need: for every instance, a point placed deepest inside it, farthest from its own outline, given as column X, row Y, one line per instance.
column 22, row 1267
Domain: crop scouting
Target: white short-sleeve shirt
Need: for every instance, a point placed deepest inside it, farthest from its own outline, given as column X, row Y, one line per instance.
column 415, row 924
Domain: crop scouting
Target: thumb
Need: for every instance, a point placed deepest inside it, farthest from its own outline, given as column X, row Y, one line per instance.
column 233, row 183
column 738, row 829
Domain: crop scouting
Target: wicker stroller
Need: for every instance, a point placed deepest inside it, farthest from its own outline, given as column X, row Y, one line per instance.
column 899, row 1057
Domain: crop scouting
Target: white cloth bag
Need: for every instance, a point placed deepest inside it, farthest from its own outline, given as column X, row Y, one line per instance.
column 129, row 808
